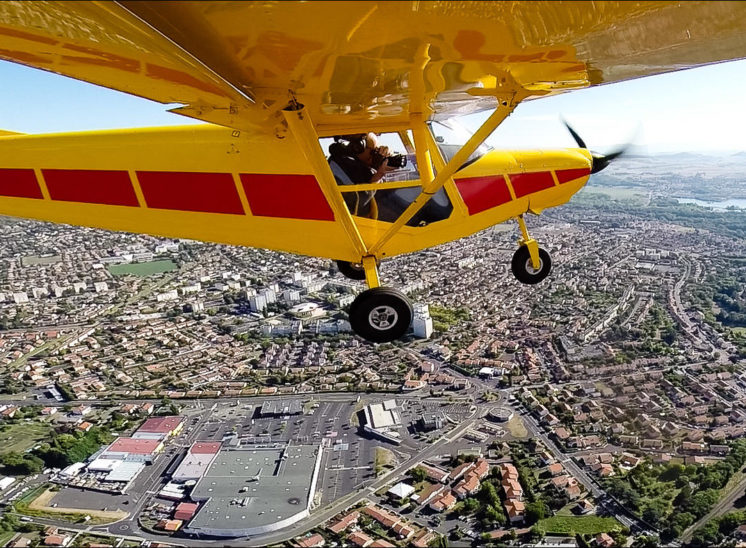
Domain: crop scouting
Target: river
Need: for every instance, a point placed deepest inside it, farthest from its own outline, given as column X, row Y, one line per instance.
column 739, row 203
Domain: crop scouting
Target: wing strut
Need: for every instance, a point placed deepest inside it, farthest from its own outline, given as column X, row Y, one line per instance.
column 305, row 134
column 430, row 184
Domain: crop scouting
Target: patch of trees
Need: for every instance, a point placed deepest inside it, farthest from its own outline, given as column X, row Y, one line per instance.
column 714, row 531
column 674, row 496
column 21, row 464
column 444, row 318
column 66, row 449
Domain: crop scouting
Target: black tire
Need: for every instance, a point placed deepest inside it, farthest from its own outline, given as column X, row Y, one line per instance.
column 524, row 272
column 381, row 314
column 353, row 271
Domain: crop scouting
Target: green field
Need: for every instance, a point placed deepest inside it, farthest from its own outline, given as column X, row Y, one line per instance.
column 615, row 193
column 584, row 525
column 22, row 436
column 142, row 269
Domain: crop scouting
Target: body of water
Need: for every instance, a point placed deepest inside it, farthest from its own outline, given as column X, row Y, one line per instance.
column 740, row 203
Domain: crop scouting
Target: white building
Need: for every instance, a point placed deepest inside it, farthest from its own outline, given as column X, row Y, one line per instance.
column 167, row 296
column 270, row 296
column 193, row 288
column 257, row 303
column 20, row 298
column 100, row 287
column 169, row 247
column 422, row 324
column 291, row 295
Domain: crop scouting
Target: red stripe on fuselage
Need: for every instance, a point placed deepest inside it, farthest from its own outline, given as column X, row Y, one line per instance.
column 528, row 183
column 482, row 193
column 19, row 183
column 186, row 191
column 90, row 186
column 286, row 196
column 567, row 175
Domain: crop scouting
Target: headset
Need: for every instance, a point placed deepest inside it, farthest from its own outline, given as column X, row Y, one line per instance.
column 356, row 144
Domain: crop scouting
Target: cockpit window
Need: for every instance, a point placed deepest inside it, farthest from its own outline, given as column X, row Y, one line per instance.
column 451, row 135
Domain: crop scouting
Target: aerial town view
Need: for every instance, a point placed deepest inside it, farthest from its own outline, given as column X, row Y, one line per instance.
column 372, row 274
column 175, row 393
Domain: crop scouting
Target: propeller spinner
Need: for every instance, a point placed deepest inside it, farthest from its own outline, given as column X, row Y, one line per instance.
column 600, row 161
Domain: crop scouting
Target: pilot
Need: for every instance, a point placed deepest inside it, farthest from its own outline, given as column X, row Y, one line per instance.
column 357, row 159
column 353, row 159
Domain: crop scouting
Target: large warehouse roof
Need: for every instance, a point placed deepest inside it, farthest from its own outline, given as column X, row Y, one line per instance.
column 383, row 415
column 282, row 407
column 256, row 489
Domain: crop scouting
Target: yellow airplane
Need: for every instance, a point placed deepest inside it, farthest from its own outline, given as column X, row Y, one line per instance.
column 273, row 78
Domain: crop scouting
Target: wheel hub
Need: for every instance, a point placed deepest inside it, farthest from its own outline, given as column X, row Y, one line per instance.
column 530, row 267
column 382, row 317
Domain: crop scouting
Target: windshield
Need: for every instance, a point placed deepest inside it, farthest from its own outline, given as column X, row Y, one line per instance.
column 451, row 135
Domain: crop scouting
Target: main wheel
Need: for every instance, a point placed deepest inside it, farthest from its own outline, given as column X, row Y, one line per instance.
column 524, row 271
column 353, row 271
column 381, row 314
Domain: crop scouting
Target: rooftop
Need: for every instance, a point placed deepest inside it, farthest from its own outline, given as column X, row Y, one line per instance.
column 383, row 415
column 161, row 425
column 205, row 447
column 282, row 407
column 253, row 490
column 135, row 446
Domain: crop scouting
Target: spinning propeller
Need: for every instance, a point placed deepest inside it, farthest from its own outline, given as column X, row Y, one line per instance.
column 600, row 161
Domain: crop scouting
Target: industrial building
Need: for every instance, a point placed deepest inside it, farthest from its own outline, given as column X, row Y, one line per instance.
column 197, row 462
column 254, row 490
column 383, row 421
column 160, row 428
column 431, row 421
column 500, row 414
column 279, row 408
column 133, row 449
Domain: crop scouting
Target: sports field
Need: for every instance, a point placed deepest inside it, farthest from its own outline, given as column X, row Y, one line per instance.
column 142, row 269
column 585, row 525
column 22, row 436
column 34, row 260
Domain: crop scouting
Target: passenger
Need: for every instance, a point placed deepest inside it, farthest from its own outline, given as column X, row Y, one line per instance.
column 352, row 158
column 357, row 159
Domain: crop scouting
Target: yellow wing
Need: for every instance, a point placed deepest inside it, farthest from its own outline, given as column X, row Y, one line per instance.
column 352, row 63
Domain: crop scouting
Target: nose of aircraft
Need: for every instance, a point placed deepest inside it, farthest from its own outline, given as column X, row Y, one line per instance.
column 600, row 161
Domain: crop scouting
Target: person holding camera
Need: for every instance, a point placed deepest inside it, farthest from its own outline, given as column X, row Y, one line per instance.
column 357, row 159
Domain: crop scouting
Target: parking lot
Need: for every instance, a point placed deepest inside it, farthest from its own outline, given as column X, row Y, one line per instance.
column 349, row 455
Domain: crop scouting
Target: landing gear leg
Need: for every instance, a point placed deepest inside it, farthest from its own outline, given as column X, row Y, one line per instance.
column 379, row 314
column 530, row 263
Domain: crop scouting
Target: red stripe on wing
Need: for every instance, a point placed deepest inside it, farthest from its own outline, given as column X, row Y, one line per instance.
column 528, row 183
column 482, row 193
column 19, row 183
column 286, row 196
column 186, row 191
column 567, row 175
column 91, row 186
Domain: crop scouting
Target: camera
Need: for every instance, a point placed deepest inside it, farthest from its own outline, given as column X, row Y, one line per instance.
column 396, row 161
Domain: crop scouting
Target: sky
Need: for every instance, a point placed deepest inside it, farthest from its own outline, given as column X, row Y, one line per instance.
column 698, row 110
